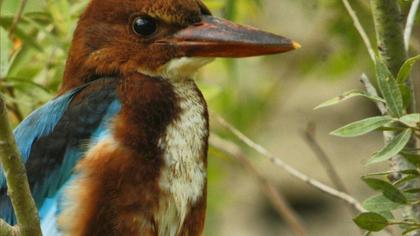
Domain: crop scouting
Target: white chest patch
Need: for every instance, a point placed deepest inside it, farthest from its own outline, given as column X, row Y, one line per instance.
column 184, row 175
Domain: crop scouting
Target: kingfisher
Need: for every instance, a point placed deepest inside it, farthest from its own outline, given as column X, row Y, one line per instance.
column 122, row 148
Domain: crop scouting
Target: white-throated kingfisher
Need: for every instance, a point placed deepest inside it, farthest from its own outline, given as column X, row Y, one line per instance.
column 123, row 149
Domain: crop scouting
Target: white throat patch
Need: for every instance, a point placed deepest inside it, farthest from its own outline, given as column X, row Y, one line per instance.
column 184, row 175
column 180, row 68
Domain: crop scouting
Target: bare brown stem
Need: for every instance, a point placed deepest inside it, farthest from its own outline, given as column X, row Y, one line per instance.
column 278, row 201
column 309, row 137
column 289, row 169
column 17, row 18
column 360, row 29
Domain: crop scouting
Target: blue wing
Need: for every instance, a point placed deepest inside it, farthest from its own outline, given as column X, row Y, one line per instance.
column 53, row 139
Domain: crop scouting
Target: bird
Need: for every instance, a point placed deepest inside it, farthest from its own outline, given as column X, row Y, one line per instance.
column 122, row 148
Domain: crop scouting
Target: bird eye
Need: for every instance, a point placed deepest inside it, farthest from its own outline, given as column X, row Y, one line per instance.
column 144, row 26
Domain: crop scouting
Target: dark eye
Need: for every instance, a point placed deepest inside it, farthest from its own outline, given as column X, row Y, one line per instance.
column 144, row 26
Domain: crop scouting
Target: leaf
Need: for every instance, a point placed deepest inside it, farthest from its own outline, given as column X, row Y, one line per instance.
column 347, row 95
column 411, row 120
column 390, row 89
column 362, row 127
column 405, row 172
column 412, row 190
column 388, row 190
column 380, row 203
column 20, row 33
column 404, row 180
column 410, row 172
column 406, row 94
column 387, row 214
column 409, row 230
column 5, row 47
column 392, row 148
column 371, row 221
column 413, row 158
column 407, row 67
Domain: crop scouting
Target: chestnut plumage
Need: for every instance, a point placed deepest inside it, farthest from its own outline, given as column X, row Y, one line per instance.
column 122, row 150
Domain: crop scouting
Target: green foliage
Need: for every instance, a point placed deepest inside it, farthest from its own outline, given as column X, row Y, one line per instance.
column 347, row 95
column 392, row 148
column 388, row 190
column 371, row 221
column 392, row 198
column 405, row 126
column 406, row 69
column 390, row 89
column 380, row 203
column 363, row 126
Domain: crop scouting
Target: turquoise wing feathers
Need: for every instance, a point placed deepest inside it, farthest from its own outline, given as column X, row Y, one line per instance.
column 54, row 138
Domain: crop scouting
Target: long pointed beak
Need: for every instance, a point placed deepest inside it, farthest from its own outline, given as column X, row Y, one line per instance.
column 216, row 37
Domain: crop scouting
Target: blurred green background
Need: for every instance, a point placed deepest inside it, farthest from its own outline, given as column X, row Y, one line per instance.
column 269, row 98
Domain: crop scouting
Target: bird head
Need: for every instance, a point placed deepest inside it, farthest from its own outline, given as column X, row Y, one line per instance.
column 162, row 38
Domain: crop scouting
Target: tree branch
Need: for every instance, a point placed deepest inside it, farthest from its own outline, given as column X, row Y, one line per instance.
column 289, row 169
column 389, row 32
column 309, row 136
column 371, row 90
column 267, row 187
column 360, row 29
column 17, row 17
column 17, row 180
column 410, row 23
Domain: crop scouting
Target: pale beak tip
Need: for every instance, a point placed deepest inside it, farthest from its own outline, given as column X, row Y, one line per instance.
column 296, row 45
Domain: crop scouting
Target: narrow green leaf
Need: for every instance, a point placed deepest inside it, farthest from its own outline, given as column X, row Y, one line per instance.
column 405, row 180
column 5, row 47
column 412, row 157
column 388, row 190
column 362, row 127
column 413, row 190
column 387, row 215
column 390, row 89
column 410, row 172
column 406, row 95
column 380, row 203
column 371, row 221
column 405, row 172
column 409, row 230
column 411, row 120
column 406, row 69
column 347, row 95
column 392, row 148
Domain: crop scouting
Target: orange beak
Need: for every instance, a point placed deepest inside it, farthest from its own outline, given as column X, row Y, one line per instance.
column 216, row 37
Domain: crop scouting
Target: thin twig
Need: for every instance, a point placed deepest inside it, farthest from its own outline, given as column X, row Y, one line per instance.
column 289, row 169
column 17, row 17
column 360, row 29
column 371, row 90
column 278, row 201
column 410, row 23
column 309, row 136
